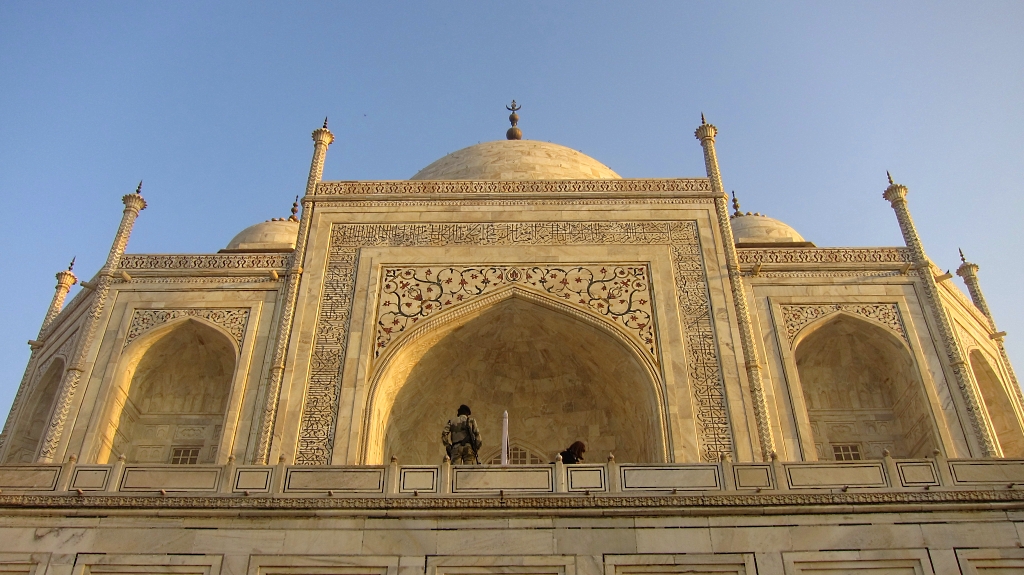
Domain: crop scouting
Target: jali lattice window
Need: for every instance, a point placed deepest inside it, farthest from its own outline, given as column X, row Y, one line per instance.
column 185, row 455
column 846, row 452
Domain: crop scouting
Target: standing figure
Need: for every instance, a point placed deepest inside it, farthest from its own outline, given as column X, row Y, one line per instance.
column 461, row 438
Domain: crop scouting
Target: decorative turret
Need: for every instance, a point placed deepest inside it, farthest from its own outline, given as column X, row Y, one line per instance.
column 65, row 279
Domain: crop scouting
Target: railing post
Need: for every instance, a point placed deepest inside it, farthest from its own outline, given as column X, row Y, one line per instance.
column 227, row 480
column 446, row 476
column 891, row 470
column 725, row 465
column 781, row 481
column 613, row 475
column 115, row 474
column 391, row 477
column 942, row 468
column 66, row 471
column 279, row 472
column 559, row 474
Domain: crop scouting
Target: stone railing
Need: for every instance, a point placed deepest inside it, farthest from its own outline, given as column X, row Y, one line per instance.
column 440, row 480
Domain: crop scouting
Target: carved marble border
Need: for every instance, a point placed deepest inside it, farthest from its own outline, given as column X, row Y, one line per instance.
column 796, row 316
column 232, row 320
column 824, row 255
column 794, row 503
column 618, row 292
column 512, row 187
column 320, row 411
column 205, row 261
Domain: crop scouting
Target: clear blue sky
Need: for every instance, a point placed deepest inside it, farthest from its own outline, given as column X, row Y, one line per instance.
column 213, row 106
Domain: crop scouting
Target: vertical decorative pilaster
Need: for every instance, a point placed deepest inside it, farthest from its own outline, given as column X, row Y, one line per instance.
column 706, row 134
column 65, row 279
column 969, row 272
column 896, row 194
column 322, row 139
column 133, row 204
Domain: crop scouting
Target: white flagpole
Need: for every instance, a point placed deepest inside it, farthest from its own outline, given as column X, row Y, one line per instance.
column 504, row 438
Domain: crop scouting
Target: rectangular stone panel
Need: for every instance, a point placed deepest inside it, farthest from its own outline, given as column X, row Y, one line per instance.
column 664, row 478
column 362, row 479
column 888, row 562
column 141, row 564
column 418, row 479
column 29, row 477
column 689, row 563
column 170, row 478
column 991, row 472
column 917, row 473
column 585, row 478
column 319, row 564
column 520, row 478
column 833, row 475
column 90, row 477
column 252, row 479
column 990, row 561
column 753, row 476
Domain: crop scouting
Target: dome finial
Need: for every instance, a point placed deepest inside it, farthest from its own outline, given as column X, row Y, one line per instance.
column 514, row 133
column 71, row 266
column 735, row 203
column 295, row 210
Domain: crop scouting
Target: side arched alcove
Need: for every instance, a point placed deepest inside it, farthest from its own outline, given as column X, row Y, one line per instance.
column 863, row 391
column 999, row 406
column 562, row 375
column 170, row 395
column 35, row 415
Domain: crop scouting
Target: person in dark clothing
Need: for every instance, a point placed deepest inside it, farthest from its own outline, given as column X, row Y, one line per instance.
column 461, row 438
column 575, row 453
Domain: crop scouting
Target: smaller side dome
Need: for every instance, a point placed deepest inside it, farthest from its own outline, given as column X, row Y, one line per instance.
column 277, row 235
column 751, row 230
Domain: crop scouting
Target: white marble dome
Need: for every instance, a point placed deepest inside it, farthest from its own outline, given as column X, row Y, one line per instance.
column 276, row 235
column 516, row 160
column 758, row 229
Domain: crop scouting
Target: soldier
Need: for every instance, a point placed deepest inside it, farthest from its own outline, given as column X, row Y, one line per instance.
column 461, row 438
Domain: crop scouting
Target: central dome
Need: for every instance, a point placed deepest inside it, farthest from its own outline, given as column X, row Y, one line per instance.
column 516, row 160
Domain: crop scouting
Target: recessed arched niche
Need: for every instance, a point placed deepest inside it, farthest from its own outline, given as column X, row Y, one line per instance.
column 863, row 392
column 560, row 376
column 35, row 416
column 1000, row 408
column 172, row 395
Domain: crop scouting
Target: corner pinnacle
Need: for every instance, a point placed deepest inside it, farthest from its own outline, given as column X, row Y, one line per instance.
column 325, row 122
column 295, row 210
column 702, row 122
column 138, row 190
column 962, row 258
column 888, row 175
column 71, row 266
column 735, row 205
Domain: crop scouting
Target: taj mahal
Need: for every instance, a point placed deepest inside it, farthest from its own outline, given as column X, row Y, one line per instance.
column 750, row 402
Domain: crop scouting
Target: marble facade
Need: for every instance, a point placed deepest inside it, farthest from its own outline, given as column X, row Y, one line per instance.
column 752, row 403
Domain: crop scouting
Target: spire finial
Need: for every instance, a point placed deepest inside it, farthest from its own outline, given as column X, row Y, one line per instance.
column 138, row 190
column 514, row 133
column 295, row 210
column 71, row 266
column 962, row 258
column 735, row 205
column 702, row 122
column 325, row 122
column 888, row 175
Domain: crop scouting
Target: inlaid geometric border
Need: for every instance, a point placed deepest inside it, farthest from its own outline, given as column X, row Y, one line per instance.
column 621, row 293
column 796, row 317
column 320, row 409
column 233, row 320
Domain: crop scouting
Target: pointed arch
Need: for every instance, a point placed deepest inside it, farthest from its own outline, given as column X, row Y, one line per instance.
column 863, row 390
column 170, row 391
column 1004, row 418
column 35, row 415
column 587, row 345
